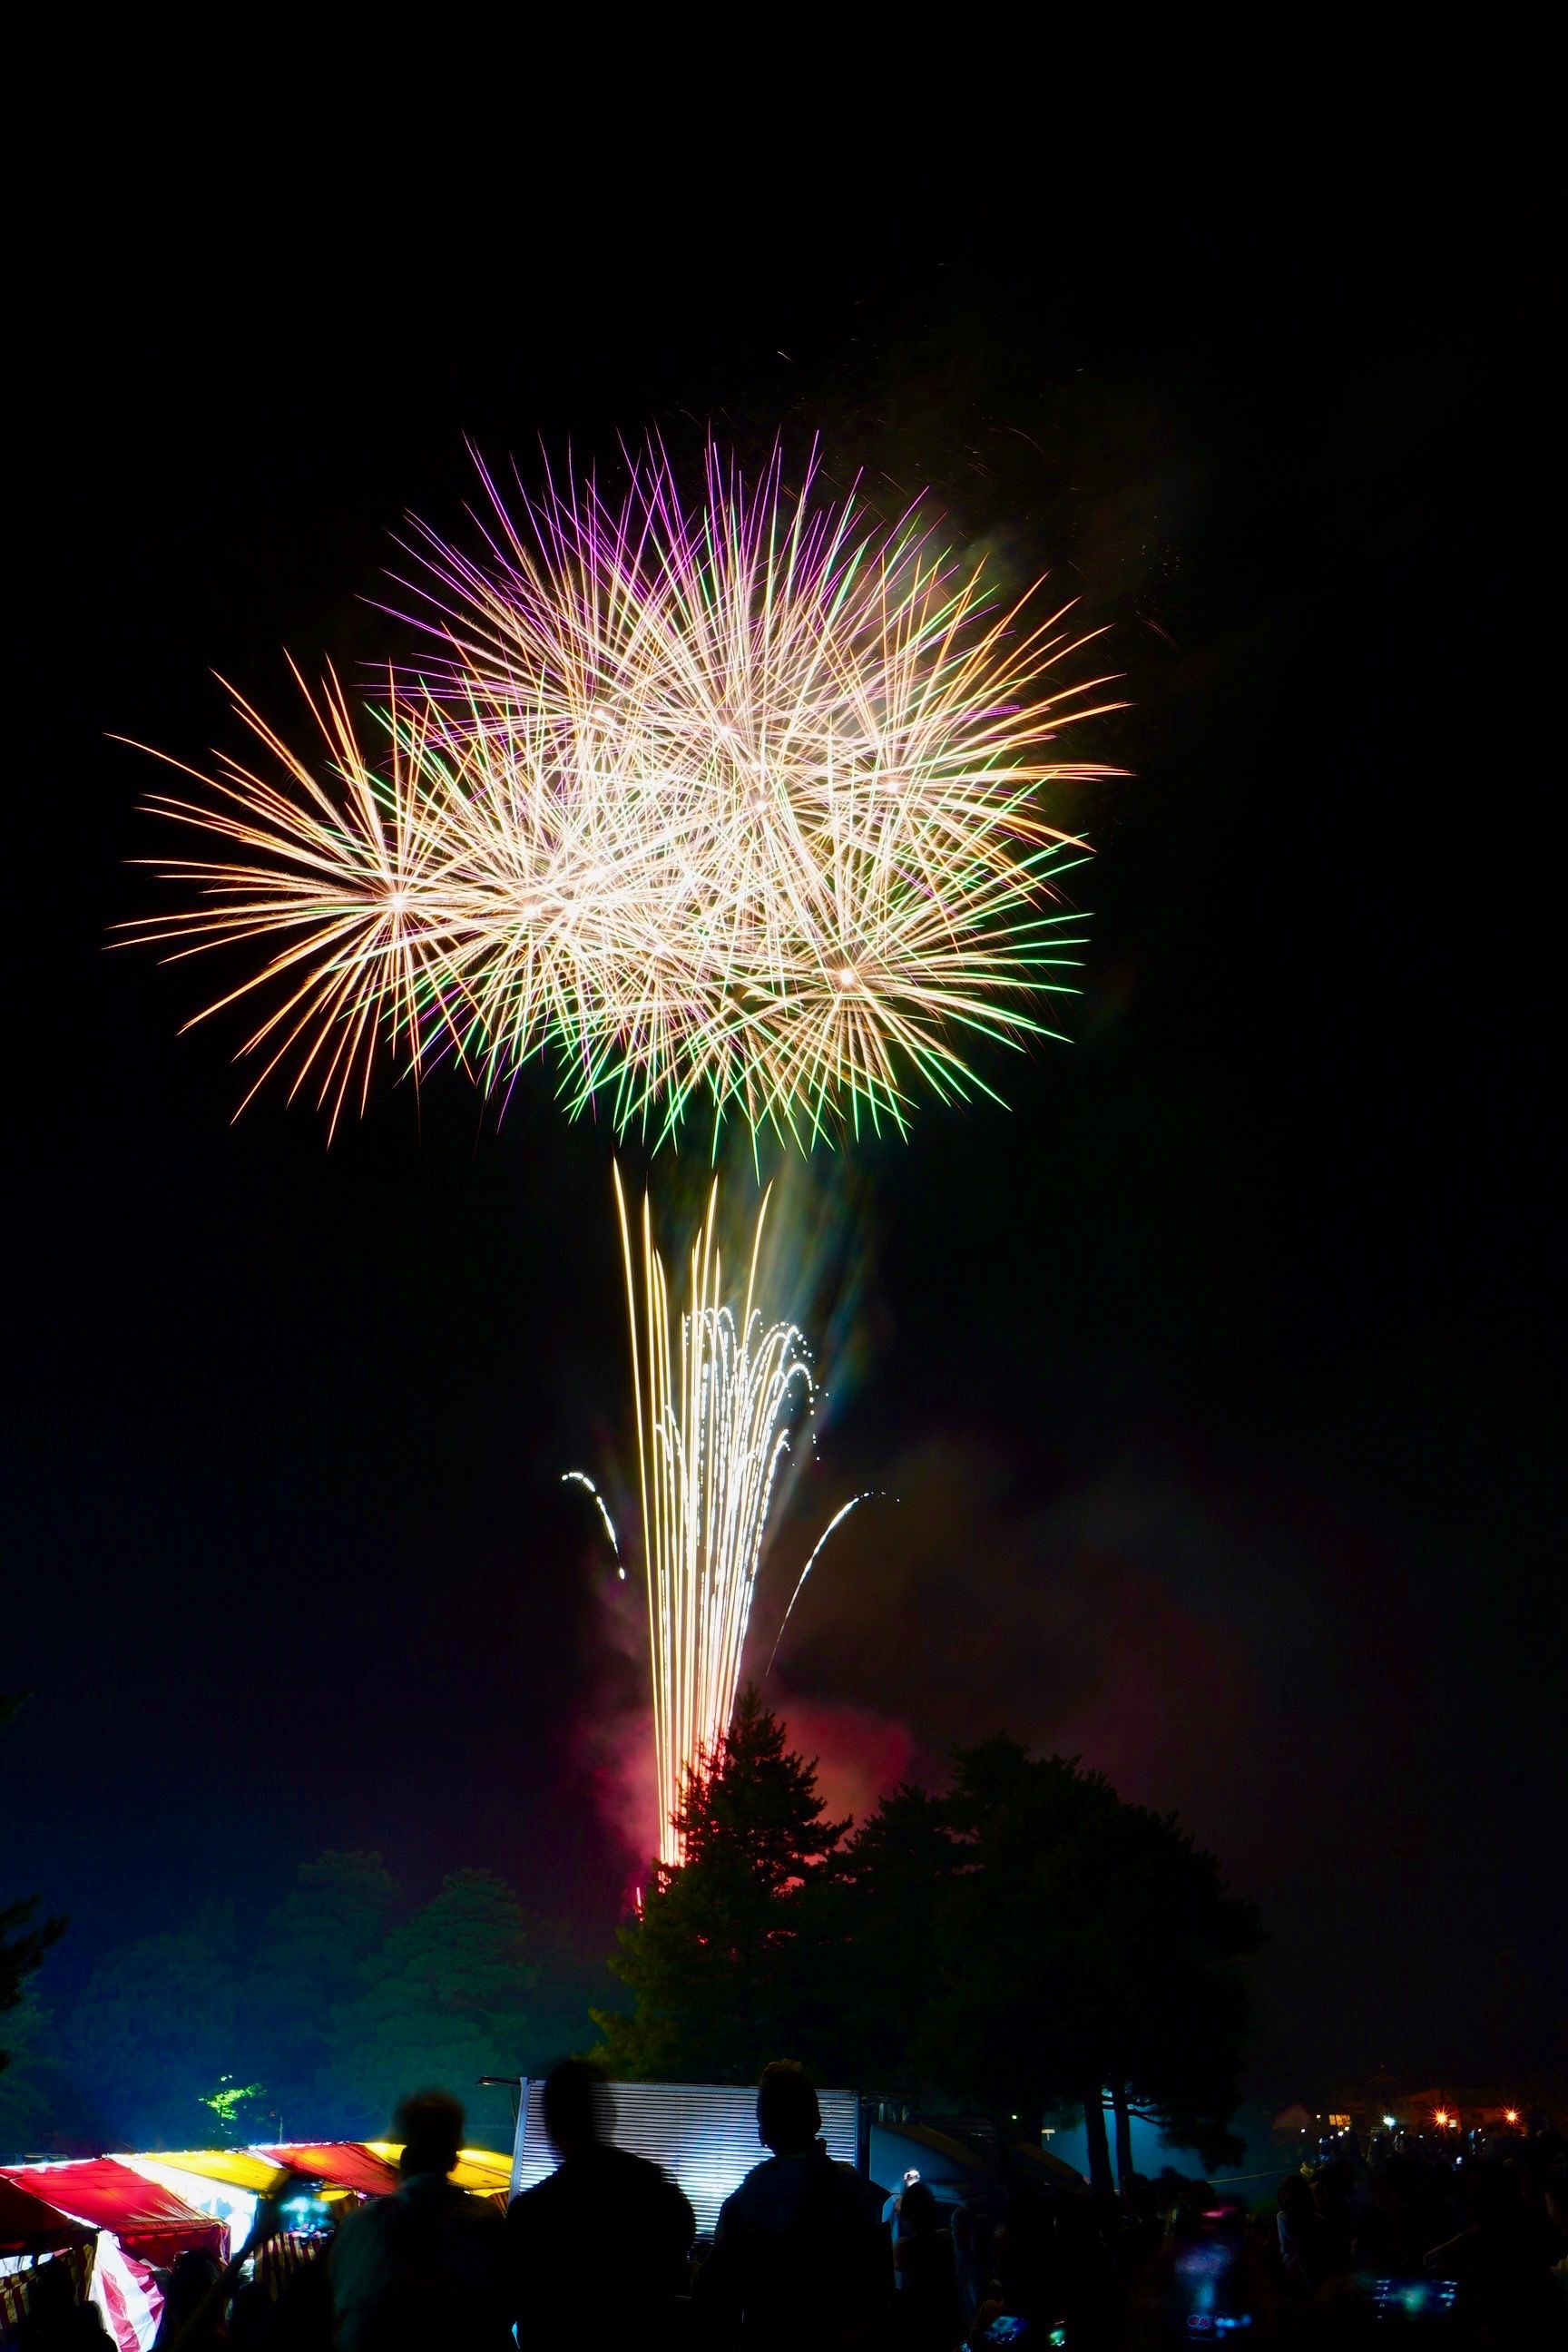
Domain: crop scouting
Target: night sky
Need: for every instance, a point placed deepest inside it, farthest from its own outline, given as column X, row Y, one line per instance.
column 1215, row 1375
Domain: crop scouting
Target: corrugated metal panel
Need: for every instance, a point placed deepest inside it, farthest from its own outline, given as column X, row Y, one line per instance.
column 703, row 2133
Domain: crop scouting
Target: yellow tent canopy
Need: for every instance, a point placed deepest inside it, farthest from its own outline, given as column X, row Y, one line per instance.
column 479, row 2169
column 235, row 2168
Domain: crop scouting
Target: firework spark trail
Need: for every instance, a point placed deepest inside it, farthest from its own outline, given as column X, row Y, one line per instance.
column 868, row 1494
column 351, row 890
column 737, row 802
column 716, row 1392
column 581, row 1478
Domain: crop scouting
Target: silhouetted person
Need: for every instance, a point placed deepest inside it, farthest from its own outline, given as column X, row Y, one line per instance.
column 252, row 2322
column 1330, row 2202
column 969, row 2264
column 928, row 2306
column 56, row 2321
column 190, row 2305
column 193, row 2311
column 426, row 2267
column 1303, row 2256
column 800, row 2257
column 599, row 2250
column 302, row 2318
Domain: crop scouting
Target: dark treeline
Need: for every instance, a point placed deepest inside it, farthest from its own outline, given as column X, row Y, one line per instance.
column 314, row 2028
column 25, row 1937
column 1019, row 1942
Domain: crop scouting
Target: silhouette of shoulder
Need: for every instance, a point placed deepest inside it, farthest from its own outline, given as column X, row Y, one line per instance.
column 799, row 2256
column 429, row 2247
column 607, row 2224
column 612, row 2170
column 605, row 2189
column 605, row 2177
column 774, row 2193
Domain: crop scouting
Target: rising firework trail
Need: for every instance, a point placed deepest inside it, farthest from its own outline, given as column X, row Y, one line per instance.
column 717, row 1390
column 734, row 804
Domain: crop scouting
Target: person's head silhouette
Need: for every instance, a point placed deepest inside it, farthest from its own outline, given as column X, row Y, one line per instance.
column 578, row 2112
column 430, row 2125
column 919, row 2212
column 788, row 2116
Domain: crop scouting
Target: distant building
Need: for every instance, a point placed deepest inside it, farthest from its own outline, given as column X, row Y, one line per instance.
column 1385, row 2105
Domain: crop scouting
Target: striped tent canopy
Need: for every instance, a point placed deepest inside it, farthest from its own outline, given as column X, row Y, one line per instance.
column 478, row 2169
column 338, row 2164
column 16, row 2286
column 29, row 2224
column 146, row 2218
column 233, row 2168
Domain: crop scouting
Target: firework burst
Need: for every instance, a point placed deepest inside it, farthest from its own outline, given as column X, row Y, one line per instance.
column 340, row 886
column 738, row 804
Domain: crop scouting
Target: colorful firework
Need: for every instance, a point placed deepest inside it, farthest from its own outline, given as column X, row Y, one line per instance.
column 342, row 885
column 717, row 1392
column 739, row 805
column 449, row 890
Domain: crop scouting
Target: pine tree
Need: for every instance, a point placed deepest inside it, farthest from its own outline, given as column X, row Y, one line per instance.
column 720, row 1963
column 444, row 2000
column 322, row 1941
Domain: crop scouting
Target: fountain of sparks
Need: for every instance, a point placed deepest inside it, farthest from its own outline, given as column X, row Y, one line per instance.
column 717, row 1392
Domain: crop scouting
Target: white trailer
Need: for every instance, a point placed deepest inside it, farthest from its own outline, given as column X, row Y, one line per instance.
column 704, row 2135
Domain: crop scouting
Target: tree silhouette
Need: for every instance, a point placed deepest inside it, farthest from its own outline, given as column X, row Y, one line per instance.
column 1027, row 1941
column 350, row 2003
column 719, row 1962
column 157, row 2023
column 320, row 1942
column 1084, row 1943
column 888, row 1888
column 444, row 2000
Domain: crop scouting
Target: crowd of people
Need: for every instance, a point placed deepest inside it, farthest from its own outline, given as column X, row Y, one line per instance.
column 808, row 2256
column 1474, row 2238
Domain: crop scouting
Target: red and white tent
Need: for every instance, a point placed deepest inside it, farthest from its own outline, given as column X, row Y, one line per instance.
column 149, row 2221
column 30, row 2224
column 128, row 2296
column 30, row 2228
